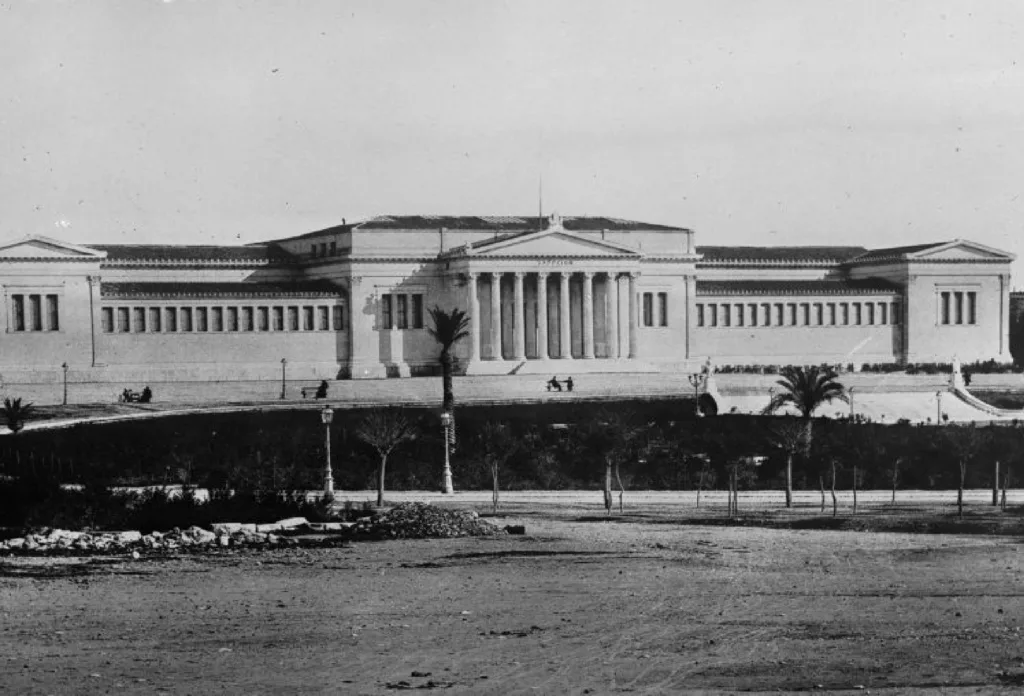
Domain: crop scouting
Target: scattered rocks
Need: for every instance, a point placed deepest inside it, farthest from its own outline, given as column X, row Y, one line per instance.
column 405, row 521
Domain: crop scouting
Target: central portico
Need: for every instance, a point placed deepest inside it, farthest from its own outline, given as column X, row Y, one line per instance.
column 548, row 297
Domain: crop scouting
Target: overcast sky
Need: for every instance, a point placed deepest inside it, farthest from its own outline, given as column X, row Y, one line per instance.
column 783, row 122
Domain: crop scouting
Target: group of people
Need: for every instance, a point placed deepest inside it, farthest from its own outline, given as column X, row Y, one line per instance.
column 143, row 397
column 554, row 384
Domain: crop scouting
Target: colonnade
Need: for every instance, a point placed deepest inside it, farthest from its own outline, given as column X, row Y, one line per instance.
column 613, row 325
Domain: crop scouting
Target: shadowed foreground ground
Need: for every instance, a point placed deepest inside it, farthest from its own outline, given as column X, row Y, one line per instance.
column 579, row 605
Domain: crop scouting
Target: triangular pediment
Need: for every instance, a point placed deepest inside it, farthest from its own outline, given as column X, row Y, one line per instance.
column 558, row 243
column 37, row 247
column 961, row 250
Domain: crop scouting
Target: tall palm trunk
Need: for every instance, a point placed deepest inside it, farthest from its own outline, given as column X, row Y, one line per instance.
column 608, row 486
column 789, row 480
column 446, row 381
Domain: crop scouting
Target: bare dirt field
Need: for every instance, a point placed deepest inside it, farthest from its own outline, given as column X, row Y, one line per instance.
column 581, row 604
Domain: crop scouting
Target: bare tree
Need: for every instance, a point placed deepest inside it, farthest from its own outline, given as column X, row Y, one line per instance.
column 791, row 437
column 384, row 430
column 498, row 446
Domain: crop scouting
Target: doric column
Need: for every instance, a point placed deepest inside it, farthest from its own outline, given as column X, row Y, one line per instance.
column 519, row 322
column 496, row 316
column 633, row 318
column 611, row 315
column 564, row 342
column 588, row 314
column 542, row 316
column 474, row 319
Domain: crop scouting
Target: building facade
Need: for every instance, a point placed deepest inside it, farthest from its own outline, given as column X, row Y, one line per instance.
column 555, row 295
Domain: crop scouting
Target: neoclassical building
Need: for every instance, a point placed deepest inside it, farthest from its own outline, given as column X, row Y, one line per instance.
column 553, row 295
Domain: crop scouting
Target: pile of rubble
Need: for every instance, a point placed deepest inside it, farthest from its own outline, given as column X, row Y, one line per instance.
column 420, row 520
column 405, row 521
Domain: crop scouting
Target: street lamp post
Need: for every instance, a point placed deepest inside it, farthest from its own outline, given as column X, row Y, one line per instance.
column 327, row 415
column 284, row 366
column 64, row 367
column 697, row 381
column 853, row 413
column 938, row 408
column 446, row 476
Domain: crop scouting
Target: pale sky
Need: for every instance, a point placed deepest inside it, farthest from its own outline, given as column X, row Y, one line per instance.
column 864, row 122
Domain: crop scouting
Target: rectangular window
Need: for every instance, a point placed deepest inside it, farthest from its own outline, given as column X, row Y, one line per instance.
column 339, row 317
column 780, row 315
column 766, row 314
column 739, row 315
column 154, row 319
column 662, row 309
column 726, row 315
column 700, row 315
column 972, row 308
column 140, row 319
column 325, row 319
column 648, row 309
column 293, row 318
column 312, row 249
column 307, row 318
column 334, row 248
column 753, row 314
column 402, row 311
column 35, row 311
column 958, row 298
column 819, row 314
column 792, row 313
column 386, row 316
column 186, row 318
column 171, row 319
column 217, row 319
column 831, row 314
column 945, row 308
column 323, row 248
column 263, row 318
column 202, row 319
column 52, row 314
column 894, row 312
column 18, row 312
column 247, row 319
column 417, row 311
column 123, row 320
column 231, row 319
column 845, row 309
column 857, row 318
column 107, row 319
column 278, row 318
column 713, row 314
column 805, row 314
column 871, row 313
column 883, row 317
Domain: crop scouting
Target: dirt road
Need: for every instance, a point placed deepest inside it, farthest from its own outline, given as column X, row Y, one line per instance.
column 578, row 605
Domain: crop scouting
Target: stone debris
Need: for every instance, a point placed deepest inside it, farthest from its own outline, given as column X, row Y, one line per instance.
column 404, row 521
column 420, row 520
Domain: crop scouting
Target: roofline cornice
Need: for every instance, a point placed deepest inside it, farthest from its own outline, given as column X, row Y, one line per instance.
column 772, row 263
column 793, row 292
column 883, row 260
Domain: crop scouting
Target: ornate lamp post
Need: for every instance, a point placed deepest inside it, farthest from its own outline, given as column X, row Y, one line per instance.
column 284, row 366
column 64, row 366
column 327, row 415
column 446, row 478
column 697, row 381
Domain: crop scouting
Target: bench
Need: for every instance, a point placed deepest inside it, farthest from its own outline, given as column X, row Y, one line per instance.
column 317, row 392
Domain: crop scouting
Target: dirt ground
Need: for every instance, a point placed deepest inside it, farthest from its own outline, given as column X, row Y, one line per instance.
column 579, row 605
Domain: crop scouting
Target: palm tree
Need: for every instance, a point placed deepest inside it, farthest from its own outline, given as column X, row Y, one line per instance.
column 449, row 328
column 384, row 429
column 16, row 413
column 806, row 388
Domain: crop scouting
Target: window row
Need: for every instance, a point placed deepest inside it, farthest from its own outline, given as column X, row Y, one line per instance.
column 648, row 317
column 323, row 249
column 799, row 314
column 220, row 319
column 401, row 311
column 35, row 313
column 952, row 309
